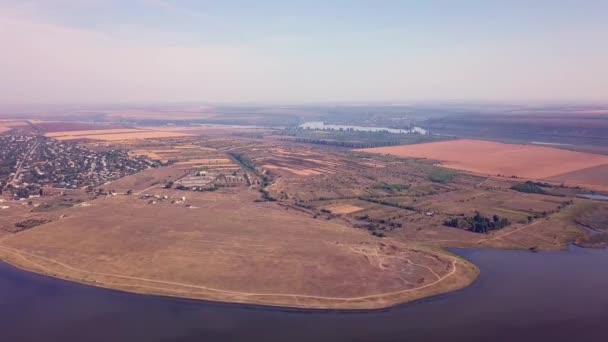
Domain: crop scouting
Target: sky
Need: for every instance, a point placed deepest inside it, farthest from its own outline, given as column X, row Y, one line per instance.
column 109, row 51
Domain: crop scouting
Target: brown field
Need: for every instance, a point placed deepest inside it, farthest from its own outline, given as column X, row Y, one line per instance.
column 185, row 154
column 516, row 207
column 492, row 158
column 595, row 217
column 126, row 136
column 297, row 172
column 595, row 177
column 208, row 164
column 162, row 155
column 265, row 254
column 343, row 208
column 297, row 162
column 147, row 179
column 7, row 125
column 209, row 161
column 92, row 132
column 113, row 134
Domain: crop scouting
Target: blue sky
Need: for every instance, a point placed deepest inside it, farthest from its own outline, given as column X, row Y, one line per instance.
column 303, row 51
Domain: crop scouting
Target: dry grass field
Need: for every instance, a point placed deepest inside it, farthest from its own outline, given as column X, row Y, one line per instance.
column 91, row 132
column 226, row 247
column 210, row 130
column 186, row 155
column 150, row 178
column 296, row 162
column 343, row 208
column 595, row 217
column 113, row 134
column 224, row 164
column 492, row 158
column 7, row 125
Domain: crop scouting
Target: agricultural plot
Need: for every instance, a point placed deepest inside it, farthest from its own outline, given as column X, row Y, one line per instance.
column 296, row 163
column 7, row 125
column 342, row 208
column 113, row 134
column 594, row 177
column 492, row 158
column 214, row 164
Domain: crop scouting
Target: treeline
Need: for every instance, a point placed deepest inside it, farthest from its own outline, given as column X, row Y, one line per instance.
column 531, row 187
column 440, row 175
column 244, row 161
column 265, row 177
column 343, row 143
column 387, row 203
column 391, row 187
column 478, row 223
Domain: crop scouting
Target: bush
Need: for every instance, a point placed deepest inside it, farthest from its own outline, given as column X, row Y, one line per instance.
column 529, row 187
column 378, row 234
column 440, row 175
column 478, row 223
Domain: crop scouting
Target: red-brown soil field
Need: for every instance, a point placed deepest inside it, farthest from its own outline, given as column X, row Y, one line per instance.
column 493, row 158
column 596, row 177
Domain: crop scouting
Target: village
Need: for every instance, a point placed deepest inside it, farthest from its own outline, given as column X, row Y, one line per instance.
column 31, row 163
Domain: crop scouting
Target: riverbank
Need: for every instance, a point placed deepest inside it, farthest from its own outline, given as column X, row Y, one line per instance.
column 519, row 296
column 460, row 275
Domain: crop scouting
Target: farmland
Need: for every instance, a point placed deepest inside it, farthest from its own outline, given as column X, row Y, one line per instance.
column 112, row 134
column 491, row 158
column 8, row 125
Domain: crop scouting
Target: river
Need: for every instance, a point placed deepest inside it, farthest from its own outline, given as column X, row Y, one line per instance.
column 520, row 296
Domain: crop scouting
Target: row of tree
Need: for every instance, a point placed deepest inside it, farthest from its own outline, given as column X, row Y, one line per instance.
column 478, row 223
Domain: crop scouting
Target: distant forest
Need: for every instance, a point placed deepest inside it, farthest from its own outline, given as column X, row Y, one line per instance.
column 353, row 139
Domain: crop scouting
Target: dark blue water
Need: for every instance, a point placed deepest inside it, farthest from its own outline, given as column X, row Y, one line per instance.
column 594, row 197
column 520, row 296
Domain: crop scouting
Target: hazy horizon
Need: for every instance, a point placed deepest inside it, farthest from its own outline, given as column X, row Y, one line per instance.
column 161, row 51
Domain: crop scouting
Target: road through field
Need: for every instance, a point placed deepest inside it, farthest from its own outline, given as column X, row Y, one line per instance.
column 20, row 165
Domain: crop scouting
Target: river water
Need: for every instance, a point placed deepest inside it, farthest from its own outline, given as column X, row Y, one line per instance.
column 594, row 197
column 520, row 296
